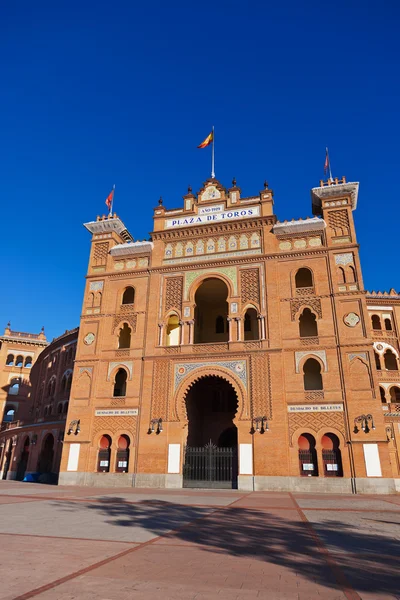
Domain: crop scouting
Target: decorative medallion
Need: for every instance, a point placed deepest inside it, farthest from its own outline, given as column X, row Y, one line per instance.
column 89, row 338
column 211, row 193
column 351, row 319
column 379, row 347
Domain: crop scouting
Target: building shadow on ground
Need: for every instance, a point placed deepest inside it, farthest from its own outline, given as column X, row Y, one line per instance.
column 368, row 560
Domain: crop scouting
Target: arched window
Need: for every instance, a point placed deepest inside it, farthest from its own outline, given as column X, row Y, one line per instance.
column 351, row 275
column 307, row 456
column 173, row 331
column 103, row 463
column 10, row 360
column 308, row 324
column 50, row 410
column 219, row 324
column 377, row 361
column 65, row 409
column 64, row 383
column 210, row 303
column 9, row 414
column 304, row 278
column 128, row 297
column 122, row 455
column 395, row 394
column 120, row 383
column 390, row 361
column 69, row 383
column 331, row 455
column 59, row 408
column 341, row 275
column 251, row 325
column 124, row 338
column 14, row 387
column 388, row 325
column 312, row 375
column 45, row 411
column 376, row 322
column 19, row 361
column 383, row 395
column 28, row 362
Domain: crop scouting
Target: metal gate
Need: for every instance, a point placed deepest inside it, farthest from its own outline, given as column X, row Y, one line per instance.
column 210, row 467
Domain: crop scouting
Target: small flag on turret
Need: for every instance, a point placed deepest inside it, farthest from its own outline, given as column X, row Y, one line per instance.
column 109, row 199
column 207, row 141
column 326, row 165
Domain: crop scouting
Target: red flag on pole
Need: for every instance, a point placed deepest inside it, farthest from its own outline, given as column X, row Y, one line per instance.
column 326, row 165
column 109, row 200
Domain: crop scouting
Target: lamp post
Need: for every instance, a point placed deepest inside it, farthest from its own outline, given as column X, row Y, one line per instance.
column 364, row 420
column 155, row 425
column 74, row 427
column 261, row 425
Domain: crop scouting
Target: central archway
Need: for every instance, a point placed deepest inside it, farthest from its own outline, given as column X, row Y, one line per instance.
column 211, row 450
column 211, row 312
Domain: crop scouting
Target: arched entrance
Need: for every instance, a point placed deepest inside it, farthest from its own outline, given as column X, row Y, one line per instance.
column 211, row 450
column 23, row 461
column 45, row 463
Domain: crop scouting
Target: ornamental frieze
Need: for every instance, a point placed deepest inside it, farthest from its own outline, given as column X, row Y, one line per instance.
column 237, row 367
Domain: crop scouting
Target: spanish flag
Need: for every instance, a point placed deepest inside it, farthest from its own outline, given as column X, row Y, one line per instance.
column 109, row 199
column 207, row 141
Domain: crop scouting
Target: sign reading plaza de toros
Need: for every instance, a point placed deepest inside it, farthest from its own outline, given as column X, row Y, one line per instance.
column 228, row 215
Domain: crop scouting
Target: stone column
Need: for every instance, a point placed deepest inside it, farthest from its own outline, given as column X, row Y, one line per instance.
column 261, row 327
column 191, row 332
column 239, row 328
column 229, row 319
column 181, row 332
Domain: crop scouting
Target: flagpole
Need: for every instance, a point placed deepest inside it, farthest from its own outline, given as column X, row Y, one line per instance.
column 212, row 156
column 329, row 163
column 112, row 201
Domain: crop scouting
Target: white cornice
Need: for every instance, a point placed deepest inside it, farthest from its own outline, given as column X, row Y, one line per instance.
column 132, row 248
column 105, row 225
column 299, row 226
column 335, row 191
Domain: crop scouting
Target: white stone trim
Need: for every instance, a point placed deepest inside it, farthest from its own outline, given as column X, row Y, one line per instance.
column 299, row 226
column 128, row 364
column 131, row 248
column 321, row 354
column 385, row 347
column 379, row 307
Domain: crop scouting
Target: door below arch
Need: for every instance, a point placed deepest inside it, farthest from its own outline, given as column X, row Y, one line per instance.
column 211, row 456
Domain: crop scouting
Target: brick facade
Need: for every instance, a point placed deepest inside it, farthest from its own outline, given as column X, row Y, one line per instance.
column 230, row 303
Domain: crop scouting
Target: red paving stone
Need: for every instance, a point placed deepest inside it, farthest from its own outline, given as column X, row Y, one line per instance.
column 247, row 546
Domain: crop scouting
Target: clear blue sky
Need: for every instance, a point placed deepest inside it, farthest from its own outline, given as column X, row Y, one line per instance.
column 96, row 93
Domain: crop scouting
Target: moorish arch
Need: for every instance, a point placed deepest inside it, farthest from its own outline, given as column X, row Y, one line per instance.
column 243, row 409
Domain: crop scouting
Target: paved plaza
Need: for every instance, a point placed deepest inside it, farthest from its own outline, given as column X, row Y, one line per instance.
column 69, row 543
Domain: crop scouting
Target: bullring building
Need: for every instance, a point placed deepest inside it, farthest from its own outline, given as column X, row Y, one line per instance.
column 234, row 350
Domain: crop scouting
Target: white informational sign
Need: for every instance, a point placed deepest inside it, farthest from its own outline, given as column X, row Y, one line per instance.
column 73, row 457
column 372, row 461
column 122, row 464
column 245, row 459
column 315, row 408
column 174, row 458
column 116, row 412
column 202, row 219
column 330, row 467
column 308, row 467
column 104, row 463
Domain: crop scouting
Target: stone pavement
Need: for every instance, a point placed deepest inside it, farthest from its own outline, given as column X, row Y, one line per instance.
column 70, row 543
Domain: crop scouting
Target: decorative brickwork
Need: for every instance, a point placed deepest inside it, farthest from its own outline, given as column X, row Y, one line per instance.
column 161, row 387
column 173, row 293
column 114, row 424
column 118, row 402
column 131, row 319
column 315, row 421
column 311, row 302
column 338, row 221
column 249, row 286
column 314, row 396
column 100, row 254
column 260, row 386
